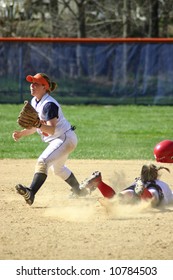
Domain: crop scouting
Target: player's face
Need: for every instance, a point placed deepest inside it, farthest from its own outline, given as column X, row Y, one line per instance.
column 37, row 90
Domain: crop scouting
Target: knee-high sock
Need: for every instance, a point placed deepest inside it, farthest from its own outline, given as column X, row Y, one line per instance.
column 106, row 190
column 72, row 181
column 37, row 182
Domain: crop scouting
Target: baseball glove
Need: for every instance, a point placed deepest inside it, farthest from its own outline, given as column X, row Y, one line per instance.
column 28, row 117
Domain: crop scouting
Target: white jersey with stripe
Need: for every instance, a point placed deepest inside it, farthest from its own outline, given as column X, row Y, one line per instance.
column 62, row 124
column 167, row 192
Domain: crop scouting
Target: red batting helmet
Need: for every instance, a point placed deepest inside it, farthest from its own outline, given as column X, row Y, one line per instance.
column 163, row 151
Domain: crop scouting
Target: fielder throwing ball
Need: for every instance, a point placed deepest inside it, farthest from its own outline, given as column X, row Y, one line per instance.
column 45, row 117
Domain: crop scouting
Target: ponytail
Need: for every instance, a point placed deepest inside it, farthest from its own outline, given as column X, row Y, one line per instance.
column 150, row 172
column 52, row 84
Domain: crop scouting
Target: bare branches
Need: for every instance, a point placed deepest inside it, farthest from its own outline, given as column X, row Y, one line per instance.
column 87, row 18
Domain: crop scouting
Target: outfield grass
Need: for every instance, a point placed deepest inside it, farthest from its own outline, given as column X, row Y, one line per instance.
column 104, row 132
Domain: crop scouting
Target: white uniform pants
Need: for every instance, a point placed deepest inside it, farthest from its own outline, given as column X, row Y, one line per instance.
column 57, row 152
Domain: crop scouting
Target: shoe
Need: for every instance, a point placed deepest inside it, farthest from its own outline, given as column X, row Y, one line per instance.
column 26, row 193
column 81, row 193
column 91, row 182
column 73, row 195
column 139, row 187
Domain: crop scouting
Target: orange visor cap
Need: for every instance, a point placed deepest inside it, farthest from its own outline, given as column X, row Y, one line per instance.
column 38, row 79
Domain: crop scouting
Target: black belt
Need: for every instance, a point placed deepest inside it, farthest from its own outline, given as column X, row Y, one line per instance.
column 73, row 127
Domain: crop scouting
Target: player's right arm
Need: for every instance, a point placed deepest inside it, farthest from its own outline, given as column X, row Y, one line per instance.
column 25, row 132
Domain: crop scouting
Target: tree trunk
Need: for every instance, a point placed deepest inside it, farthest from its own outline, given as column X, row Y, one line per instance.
column 126, row 18
column 81, row 19
column 54, row 9
column 166, row 10
column 154, row 18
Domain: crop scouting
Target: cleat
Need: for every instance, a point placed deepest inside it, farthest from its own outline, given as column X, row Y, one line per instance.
column 26, row 193
column 81, row 193
column 91, row 182
column 73, row 195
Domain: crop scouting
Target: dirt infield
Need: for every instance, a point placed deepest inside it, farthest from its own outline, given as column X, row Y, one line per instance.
column 58, row 228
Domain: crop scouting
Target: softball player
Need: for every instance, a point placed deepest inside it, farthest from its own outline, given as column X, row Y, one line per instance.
column 54, row 130
column 146, row 187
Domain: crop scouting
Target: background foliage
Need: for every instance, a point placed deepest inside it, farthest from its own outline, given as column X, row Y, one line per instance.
column 86, row 18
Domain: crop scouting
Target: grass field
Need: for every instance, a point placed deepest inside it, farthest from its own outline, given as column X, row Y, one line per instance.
column 121, row 140
column 104, row 132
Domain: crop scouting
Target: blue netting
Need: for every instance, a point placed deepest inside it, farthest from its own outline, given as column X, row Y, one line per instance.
column 114, row 73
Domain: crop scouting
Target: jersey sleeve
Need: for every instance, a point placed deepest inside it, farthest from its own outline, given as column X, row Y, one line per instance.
column 50, row 111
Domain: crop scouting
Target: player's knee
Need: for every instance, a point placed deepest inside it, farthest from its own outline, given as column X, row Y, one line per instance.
column 58, row 171
column 62, row 172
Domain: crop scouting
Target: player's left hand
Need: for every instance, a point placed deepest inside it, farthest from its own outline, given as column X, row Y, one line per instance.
column 28, row 117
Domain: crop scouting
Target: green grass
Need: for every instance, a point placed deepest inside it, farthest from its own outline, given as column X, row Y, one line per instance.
column 104, row 132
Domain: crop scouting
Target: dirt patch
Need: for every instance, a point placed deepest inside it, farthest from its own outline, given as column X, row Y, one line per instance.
column 58, row 228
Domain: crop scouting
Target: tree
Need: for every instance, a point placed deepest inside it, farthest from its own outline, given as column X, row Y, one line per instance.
column 126, row 18
column 77, row 10
column 166, row 8
column 154, row 18
column 54, row 12
column 86, row 18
